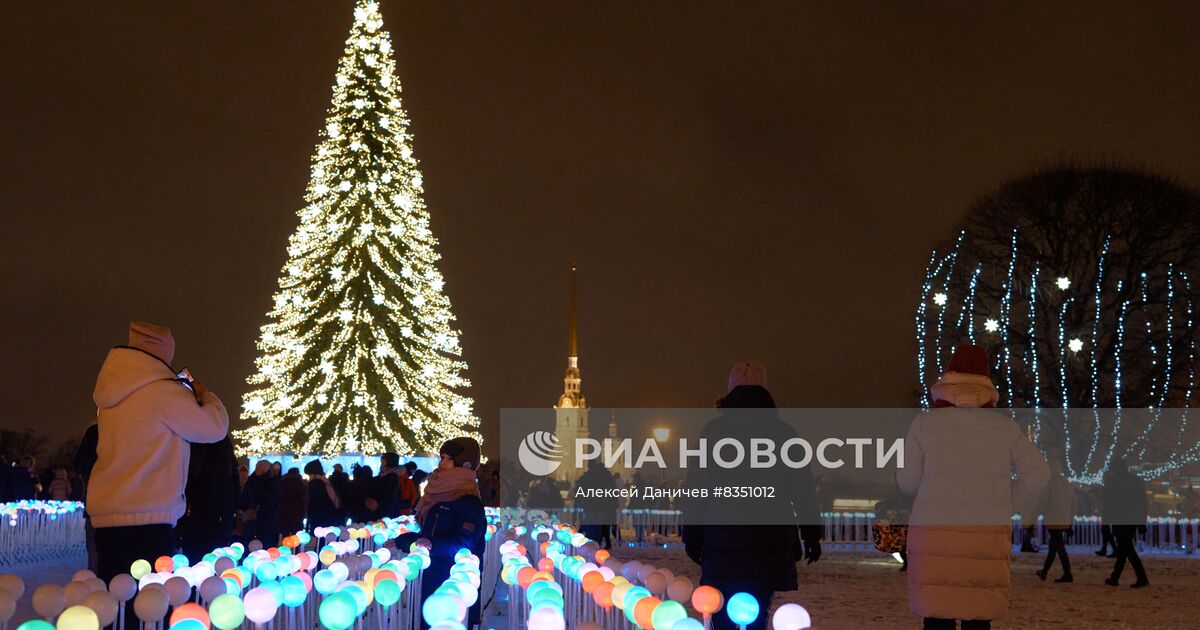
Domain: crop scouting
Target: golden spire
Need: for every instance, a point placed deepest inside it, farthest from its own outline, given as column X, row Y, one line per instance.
column 573, row 350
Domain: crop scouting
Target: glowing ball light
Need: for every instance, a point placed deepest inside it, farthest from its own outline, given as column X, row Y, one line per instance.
column 667, row 614
column 36, row 624
column 387, row 592
column 742, row 609
column 104, row 605
column 442, row 607
column 150, row 605
column 178, row 590
column 632, row 597
column 49, row 600
column 13, row 583
column 164, row 564
column 791, row 617
column 260, row 604
column 212, row 587
column 680, row 589
column 123, row 587
column 192, row 611
column 325, row 581
column 448, row 625
column 656, row 583
column 180, row 561
column 338, row 611
column 78, row 618
column 688, row 624
column 294, row 592
column 707, row 600
column 75, row 592
column 643, row 611
column 603, row 595
column 546, row 619
column 226, row 612
column 139, row 569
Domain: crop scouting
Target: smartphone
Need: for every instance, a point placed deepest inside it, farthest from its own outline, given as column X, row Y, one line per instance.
column 184, row 377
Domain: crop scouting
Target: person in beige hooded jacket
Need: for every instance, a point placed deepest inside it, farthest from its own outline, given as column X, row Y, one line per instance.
column 146, row 420
column 959, row 460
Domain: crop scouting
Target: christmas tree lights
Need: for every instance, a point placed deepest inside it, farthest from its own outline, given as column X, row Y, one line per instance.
column 360, row 353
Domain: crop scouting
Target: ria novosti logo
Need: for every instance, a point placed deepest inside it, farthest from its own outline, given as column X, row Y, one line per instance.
column 540, row 453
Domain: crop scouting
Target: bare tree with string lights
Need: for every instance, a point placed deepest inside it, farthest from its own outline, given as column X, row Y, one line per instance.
column 1082, row 284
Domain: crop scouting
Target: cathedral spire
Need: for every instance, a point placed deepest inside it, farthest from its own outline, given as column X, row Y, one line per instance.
column 573, row 350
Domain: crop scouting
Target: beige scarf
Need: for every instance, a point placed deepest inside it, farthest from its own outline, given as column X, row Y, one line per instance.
column 445, row 486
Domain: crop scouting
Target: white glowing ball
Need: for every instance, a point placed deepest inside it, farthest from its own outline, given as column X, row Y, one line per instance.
column 940, row 299
column 1063, row 283
column 791, row 617
column 991, row 325
column 546, row 619
column 1075, row 345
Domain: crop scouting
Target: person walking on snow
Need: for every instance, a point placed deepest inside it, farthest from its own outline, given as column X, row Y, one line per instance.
column 751, row 558
column 146, row 420
column 959, row 463
column 1125, row 509
column 1057, row 507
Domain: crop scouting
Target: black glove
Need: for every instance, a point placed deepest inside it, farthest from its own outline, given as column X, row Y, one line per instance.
column 693, row 552
column 812, row 551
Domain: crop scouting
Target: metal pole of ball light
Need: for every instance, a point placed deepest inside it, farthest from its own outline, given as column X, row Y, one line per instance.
column 661, row 435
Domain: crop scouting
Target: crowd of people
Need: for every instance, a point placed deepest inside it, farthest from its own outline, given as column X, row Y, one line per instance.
column 159, row 474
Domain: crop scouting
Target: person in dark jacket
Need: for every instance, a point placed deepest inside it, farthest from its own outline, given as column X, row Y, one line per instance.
column 293, row 494
column 1125, row 509
column 84, row 460
column 599, row 508
column 341, row 485
column 23, row 482
column 383, row 498
column 212, row 499
column 324, row 504
column 259, row 504
column 756, row 559
column 451, row 516
column 356, row 506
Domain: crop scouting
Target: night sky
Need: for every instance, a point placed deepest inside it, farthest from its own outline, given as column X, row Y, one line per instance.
column 734, row 182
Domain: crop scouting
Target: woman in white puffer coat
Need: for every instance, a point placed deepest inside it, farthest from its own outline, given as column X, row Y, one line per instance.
column 959, row 461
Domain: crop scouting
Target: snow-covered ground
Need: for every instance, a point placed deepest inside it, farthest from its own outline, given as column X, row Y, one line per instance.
column 866, row 590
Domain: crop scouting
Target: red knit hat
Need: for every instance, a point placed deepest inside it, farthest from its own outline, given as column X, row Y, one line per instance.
column 969, row 359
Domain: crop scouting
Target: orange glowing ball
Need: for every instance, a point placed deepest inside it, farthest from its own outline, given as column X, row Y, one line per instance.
column 385, row 574
column 603, row 594
column 525, row 576
column 273, row 552
column 591, row 580
column 644, row 610
column 543, row 575
column 543, row 547
column 234, row 575
column 190, row 610
column 164, row 564
column 707, row 600
column 602, row 556
column 545, row 564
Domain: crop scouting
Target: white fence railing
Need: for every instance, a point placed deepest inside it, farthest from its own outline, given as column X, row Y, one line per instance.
column 36, row 531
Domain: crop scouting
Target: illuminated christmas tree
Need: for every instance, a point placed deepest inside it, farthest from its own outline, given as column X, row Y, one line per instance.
column 360, row 353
